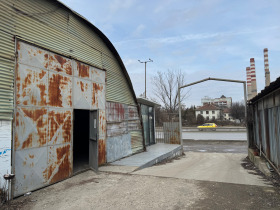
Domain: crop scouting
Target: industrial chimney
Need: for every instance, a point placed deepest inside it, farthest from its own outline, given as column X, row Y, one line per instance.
column 249, row 90
column 253, row 78
column 266, row 67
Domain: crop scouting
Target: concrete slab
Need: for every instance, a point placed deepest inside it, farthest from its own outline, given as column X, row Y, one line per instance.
column 118, row 169
column 154, row 154
column 218, row 167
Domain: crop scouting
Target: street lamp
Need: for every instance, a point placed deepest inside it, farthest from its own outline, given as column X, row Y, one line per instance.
column 150, row 60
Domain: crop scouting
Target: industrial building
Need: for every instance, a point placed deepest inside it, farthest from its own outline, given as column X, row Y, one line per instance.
column 223, row 101
column 66, row 101
column 264, row 115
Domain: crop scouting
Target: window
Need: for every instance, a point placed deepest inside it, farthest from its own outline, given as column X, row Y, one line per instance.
column 207, row 112
column 213, row 118
column 201, row 112
column 213, row 112
column 207, row 118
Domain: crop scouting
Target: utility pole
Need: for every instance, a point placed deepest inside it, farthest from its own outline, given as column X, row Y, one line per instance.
column 150, row 60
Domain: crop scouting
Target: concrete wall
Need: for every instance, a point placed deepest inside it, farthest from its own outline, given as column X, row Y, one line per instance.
column 5, row 149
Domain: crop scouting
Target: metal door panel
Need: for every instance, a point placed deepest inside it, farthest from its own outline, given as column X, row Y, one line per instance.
column 93, row 140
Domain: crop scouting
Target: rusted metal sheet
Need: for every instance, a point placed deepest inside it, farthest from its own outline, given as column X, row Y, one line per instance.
column 60, row 126
column 60, row 64
column 101, row 151
column 133, row 125
column 32, row 86
column 102, row 124
column 31, row 127
column 133, row 113
column 82, row 94
column 59, row 163
column 29, row 169
column 60, row 90
column 98, row 76
column 98, row 96
column 116, row 129
column 115, row 112
column 81, row 70
column 32, row 56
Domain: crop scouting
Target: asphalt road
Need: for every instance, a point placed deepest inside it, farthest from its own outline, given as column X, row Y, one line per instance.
column 213, row 135
column 215, row 146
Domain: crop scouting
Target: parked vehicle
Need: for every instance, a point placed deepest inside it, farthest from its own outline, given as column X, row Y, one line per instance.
column 212, row 126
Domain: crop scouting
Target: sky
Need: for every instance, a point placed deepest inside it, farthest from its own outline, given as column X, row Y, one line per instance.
column 202, row 38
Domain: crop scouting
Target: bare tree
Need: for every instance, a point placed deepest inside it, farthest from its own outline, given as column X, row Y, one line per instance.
column 237, row 111
column 166, row 89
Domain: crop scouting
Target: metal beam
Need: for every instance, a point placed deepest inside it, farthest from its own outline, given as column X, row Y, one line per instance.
column 216, row 79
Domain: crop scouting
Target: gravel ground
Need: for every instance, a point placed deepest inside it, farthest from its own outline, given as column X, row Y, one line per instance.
column 122, row 191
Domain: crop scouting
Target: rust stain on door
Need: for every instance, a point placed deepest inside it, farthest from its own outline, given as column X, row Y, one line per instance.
column 101, row 152
column 60, row 64
column 60, row 126
column 31, row 86
column 60, row 91
column 83, row 70
column 96, row 91
column 31, row 128
column 59, row 164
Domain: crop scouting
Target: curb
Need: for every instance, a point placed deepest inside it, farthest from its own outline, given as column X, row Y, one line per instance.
column 259, row 162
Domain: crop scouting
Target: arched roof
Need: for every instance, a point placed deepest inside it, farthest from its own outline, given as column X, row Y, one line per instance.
column 106, row 41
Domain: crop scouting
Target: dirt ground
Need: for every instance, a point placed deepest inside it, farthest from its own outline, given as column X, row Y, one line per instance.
column 125, row 191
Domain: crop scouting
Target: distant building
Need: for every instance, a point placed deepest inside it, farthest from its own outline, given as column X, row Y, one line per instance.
column 223, row 101
column 209, row 112
column 227, row 116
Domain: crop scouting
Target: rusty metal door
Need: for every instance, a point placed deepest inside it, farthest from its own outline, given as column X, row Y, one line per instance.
column 93, row 140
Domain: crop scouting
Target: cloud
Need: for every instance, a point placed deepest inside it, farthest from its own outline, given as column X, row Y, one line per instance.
column 117, row 5
column 138, row 31
column 198, row 36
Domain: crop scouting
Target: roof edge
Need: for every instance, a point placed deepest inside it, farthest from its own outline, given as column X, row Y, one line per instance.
column 107, row 42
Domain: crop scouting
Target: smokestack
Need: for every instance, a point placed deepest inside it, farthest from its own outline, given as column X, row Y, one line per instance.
column 253, row 78
column 266, row 67
column 249, row 91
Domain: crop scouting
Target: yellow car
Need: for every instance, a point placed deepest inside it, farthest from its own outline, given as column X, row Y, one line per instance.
column 212, row 126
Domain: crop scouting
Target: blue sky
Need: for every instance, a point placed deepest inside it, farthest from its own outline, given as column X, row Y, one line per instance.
column 202, row 38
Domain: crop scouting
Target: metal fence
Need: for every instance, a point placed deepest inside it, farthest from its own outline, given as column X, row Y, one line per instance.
column 169, row 133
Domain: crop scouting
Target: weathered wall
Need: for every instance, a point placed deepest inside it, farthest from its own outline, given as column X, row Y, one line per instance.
column 124, row 134
column 48, row 88
column 5, row 149
column 54, row 27
column 265, row 126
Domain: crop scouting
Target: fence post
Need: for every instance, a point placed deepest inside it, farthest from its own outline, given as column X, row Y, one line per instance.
column 180, row 120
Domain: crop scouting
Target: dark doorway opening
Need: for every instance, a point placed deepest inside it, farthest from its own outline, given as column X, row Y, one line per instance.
column 81, row 140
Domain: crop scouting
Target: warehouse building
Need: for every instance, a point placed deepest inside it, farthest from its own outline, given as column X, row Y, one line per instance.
column 66, row 101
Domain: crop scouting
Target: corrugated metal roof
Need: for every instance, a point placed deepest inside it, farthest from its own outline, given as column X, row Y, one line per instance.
column 146, row 102
column 57, row 28
column 272, row 87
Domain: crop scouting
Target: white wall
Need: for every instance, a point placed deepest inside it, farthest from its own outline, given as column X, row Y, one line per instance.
column 210, row 115
column 5, row 149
